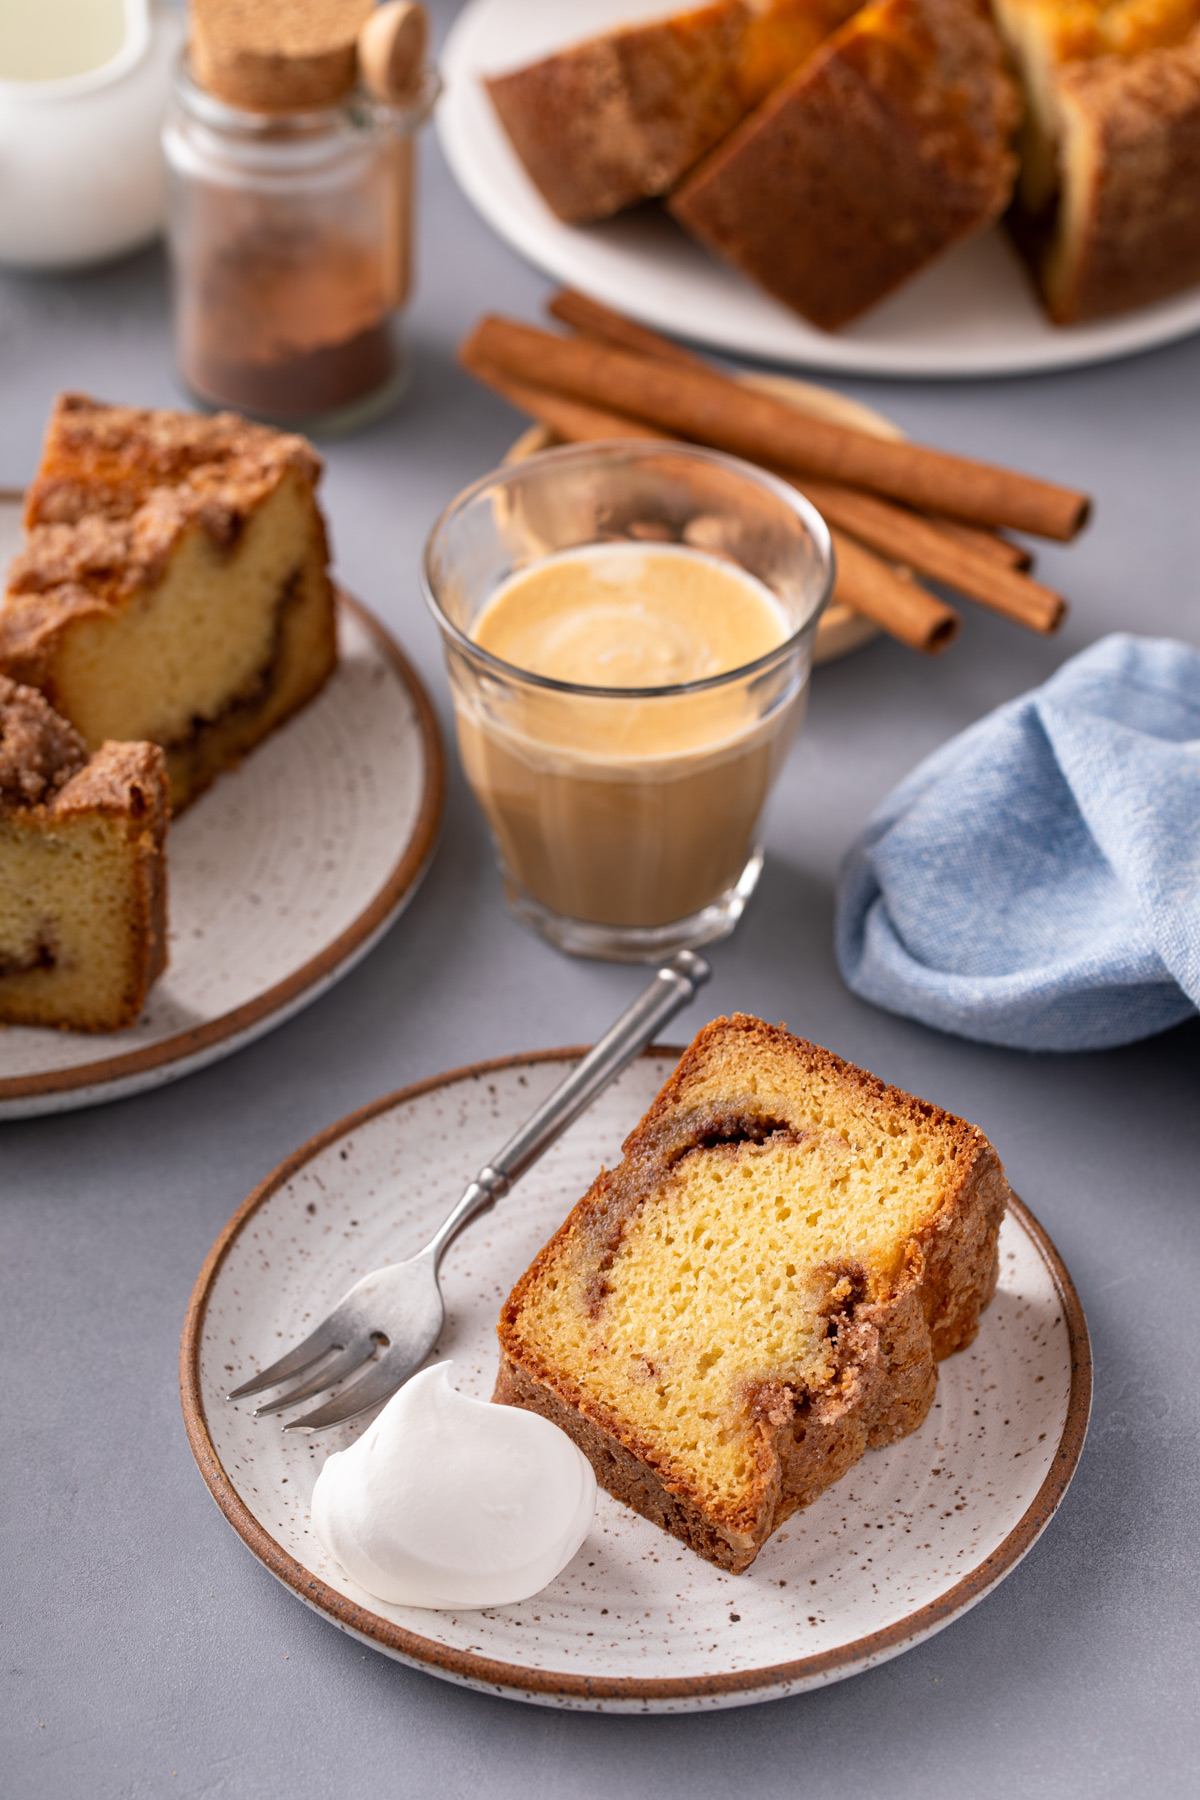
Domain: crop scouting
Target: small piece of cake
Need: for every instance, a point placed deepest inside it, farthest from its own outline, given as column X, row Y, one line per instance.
column 173, row 584
column 1127, row 226
column 888, row 146
column 761, row 1290
column 83, row 886
column 621, row 117
column 1108, row 201
column 1044, row 36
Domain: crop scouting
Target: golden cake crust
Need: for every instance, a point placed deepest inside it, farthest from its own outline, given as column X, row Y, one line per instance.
column 888, row 146
column 128, row 781
column 621, row 117
column 1128, row 225
column 887, row 1343
column 120, row 779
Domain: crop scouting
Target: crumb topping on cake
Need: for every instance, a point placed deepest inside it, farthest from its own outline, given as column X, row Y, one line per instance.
column 83, row 877
column 120, row 778
column 39, row 751
column 888, row 146
column 120, row 484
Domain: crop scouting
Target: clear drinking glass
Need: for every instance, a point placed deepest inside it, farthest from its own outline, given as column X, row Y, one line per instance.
column 625, row 819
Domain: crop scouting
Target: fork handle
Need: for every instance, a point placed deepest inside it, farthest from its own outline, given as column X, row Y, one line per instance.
column 674, row 985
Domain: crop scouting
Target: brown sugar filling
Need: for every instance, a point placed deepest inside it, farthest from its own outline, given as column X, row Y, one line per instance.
column 40, row 955
column 260, row 685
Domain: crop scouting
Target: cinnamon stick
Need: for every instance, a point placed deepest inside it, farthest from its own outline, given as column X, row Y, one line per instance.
column 712, row 409
column 908, row 539
column 988, row 543
column 568, row 419
column 893, row 600
column 901, row 535
column 865, row 584
column 584, row 314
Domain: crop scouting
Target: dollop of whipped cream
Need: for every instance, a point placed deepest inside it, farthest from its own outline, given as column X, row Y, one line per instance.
column 452, row 1502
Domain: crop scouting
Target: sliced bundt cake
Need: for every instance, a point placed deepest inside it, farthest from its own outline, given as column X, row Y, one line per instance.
column 761, row 1290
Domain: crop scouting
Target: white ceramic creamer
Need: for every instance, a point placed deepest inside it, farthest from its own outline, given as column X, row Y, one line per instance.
column 83, row 86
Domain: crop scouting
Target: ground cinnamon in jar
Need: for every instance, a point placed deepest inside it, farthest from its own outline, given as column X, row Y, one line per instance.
column 290, row 236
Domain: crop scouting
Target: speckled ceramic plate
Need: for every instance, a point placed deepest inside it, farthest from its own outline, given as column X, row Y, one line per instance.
column 910, row 1538
column 280, row 878
column 839, row 630
column 971, row 312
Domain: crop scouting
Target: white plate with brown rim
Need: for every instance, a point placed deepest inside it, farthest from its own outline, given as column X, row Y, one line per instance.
column 971, row 312
column 281, row 877
column 912, row 1537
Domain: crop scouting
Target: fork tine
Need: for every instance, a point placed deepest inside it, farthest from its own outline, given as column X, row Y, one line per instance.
column 326, row 1337
column 380, row 1383
column 327, row 1376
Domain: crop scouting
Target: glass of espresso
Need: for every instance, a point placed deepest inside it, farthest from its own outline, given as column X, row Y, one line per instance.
column 628, row 630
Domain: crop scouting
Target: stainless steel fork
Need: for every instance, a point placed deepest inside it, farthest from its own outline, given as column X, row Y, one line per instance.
column 399, row 1310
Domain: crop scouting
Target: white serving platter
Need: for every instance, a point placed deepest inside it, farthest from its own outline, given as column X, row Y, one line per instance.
column 281, row 877
column 972, row 313
column 911, row 1538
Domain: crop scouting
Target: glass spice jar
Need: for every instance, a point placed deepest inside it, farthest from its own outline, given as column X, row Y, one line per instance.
column 290, row 237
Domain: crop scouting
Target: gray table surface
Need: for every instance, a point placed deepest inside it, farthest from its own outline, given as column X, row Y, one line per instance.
column 146, row 1652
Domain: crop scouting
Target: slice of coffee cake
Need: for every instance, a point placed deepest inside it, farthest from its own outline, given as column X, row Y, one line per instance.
column 761, row 1290
column 618, row 118
column 82, row 871
column 887, row 147
column 173, row 583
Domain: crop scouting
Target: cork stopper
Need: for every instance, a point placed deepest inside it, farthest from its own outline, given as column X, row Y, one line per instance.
column 391, row 51
column 277, row 55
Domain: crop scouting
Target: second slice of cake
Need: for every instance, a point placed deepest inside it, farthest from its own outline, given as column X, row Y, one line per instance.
column 83, row 874
column 761, row 1290
column 1108, row 204
column 173, row 584
column 614, row 120
column 888, row 146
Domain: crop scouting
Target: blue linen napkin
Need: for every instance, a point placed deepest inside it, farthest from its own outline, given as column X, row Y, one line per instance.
column 1036, row 881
